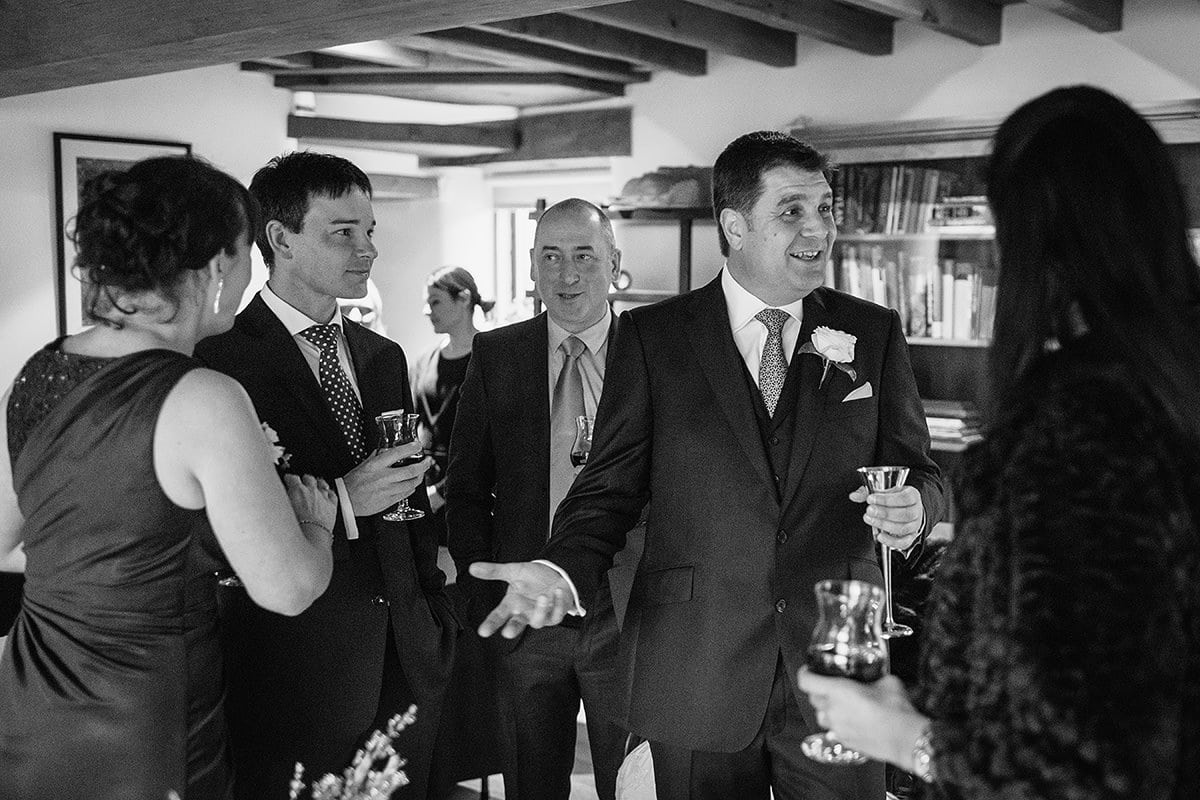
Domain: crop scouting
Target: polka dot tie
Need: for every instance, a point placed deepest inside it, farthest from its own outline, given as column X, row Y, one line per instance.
column 772, row 367
column 343, row 402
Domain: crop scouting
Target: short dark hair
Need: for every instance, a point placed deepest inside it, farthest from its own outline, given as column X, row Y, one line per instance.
column 286, row 185
column 144, row 228
column 737, row 174
column 1090, row 217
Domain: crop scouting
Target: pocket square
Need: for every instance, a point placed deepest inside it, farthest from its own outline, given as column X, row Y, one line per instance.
column 861, row 393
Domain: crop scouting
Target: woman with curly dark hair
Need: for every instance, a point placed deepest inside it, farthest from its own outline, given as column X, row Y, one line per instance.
column 123, row 452
column 1062, row 658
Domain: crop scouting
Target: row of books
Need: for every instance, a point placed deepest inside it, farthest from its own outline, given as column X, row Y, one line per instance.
column 873, row 198
column 952, row 423
column 936, row 298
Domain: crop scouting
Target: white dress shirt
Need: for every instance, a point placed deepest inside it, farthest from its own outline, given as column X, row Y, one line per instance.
column 296, row 321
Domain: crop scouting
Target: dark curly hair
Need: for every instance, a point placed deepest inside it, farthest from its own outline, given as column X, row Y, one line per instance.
column 737, row 175
column 285, row 187
column 144, row 228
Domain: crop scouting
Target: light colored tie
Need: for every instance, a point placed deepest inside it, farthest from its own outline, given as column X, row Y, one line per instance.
column 565, row 405
column 772, row 367
column 339, row 394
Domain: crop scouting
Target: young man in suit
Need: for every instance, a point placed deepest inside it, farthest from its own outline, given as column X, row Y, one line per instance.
column 310, row 688
column 748, row 444
column 509, row 469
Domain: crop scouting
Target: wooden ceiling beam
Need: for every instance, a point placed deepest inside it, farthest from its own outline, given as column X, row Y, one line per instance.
column 536, row 55
column 489, row 88
column 567, row 134
column 44, row 46
column 406, row 137
column 974, row 21
column 864, row 31
column 701, row 27
column 1102, row 16
column 580, row 34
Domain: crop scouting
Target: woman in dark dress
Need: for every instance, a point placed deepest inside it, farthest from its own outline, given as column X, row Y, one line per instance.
column 450, row 300
column 123, row 451
column 1062, row 657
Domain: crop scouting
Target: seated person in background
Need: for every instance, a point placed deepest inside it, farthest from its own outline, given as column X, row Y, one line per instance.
column 1063, row 651
column 121, row 447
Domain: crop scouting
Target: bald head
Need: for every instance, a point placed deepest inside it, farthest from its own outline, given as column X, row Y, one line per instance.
column 573, row 262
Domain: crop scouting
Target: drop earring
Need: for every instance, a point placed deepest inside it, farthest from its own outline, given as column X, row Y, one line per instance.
column 217, row 299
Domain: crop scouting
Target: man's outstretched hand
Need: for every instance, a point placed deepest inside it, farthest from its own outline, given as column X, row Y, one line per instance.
column 537, row 597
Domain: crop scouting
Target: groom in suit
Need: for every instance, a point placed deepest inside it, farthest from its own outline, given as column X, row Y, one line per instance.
column 509, row 469
column 746, row 440
column 310, row 688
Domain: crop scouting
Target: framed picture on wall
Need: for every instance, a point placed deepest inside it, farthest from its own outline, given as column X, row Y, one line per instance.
column 77, row 158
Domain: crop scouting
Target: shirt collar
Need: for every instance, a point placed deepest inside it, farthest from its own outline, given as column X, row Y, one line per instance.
column 295, row 320
column 743, row 306
column 593, row 337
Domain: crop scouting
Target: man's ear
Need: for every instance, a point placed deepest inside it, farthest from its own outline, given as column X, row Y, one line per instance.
column 734, row 226
column 532, row 266
column 616, row 266
column 278, row 236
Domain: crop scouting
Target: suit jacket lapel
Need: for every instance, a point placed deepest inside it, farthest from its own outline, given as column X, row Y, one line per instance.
column 723, row 367
column 809, row 407
column 370, row 391
column 532, row 378
column 293, row 372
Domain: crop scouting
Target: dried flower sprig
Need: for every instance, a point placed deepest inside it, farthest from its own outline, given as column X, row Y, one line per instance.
column 280, row 455
column 360, row 780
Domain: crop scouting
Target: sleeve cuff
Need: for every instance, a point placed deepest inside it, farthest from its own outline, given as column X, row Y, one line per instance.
column 347, row 510
column 912, row 548
column 579, row 610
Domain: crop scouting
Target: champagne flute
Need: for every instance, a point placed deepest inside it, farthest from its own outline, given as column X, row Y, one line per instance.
column 583, row 441
column 886, row 479
column 397, row 428
column 846, row 643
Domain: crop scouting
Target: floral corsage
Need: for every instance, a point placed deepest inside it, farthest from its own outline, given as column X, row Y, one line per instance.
column 834, row 347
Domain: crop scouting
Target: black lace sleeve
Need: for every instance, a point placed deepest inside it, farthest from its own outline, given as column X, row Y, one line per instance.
column 1062, row 654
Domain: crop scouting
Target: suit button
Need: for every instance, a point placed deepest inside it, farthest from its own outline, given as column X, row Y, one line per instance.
column 781, row 537
column 780, row 606
column 379, row 600
column 774, row 440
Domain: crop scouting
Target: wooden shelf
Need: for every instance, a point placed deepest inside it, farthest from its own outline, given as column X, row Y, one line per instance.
column 661, row 213
column 949, row 447
column 949, row 233
column 929, row 341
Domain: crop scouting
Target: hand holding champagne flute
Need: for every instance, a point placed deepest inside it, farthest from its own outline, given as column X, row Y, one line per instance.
column 886, row 479
column 397, row 428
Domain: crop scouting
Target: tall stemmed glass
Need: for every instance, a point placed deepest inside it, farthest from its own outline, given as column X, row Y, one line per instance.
column 397, row 428
column 846, row 643
column 886, row 479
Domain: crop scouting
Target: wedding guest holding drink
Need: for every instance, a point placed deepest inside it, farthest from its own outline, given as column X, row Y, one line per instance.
column 451, row 298
column 313, row 687
column 744, row 435
column 510, row 466
column 1063, row 650
column 123, row 450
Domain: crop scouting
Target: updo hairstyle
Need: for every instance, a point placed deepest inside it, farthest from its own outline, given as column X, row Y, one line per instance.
column 455, row 281
column 143, row 229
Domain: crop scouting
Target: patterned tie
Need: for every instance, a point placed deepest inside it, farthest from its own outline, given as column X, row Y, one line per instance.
column 565, row 405
column 339, row 393
column 772, row 367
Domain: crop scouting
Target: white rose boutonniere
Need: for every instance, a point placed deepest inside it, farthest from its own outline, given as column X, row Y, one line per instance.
column 834, row 347
column 281, row 456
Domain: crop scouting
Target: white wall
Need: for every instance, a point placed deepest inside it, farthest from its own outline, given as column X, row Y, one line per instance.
column 679, row 120
column 234, row 119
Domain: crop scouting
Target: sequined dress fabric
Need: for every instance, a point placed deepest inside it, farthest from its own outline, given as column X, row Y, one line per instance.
column 110, row 686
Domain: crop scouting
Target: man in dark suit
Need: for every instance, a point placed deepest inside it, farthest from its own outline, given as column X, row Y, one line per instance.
column 311, row 688
column 509, row 469
column 747, row 442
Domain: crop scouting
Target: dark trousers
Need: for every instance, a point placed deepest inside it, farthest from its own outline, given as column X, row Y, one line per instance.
column 540, row 692
column 773, row 761
column 415, row 743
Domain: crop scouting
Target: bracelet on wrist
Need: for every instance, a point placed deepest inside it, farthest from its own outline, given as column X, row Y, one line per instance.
column 922, row 756
column 320, row 525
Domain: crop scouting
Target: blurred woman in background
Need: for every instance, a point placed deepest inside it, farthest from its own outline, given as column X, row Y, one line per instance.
column 451, row 298
column 1062, row 657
